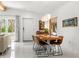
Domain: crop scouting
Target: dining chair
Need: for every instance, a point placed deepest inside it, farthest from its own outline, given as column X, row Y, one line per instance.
column 57, row 46
column 41, row 47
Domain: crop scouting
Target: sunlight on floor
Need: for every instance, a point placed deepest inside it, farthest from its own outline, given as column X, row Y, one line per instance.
column 12, row 46
column 12, row 50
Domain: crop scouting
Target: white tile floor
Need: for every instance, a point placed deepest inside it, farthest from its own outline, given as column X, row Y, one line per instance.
column 24, row 50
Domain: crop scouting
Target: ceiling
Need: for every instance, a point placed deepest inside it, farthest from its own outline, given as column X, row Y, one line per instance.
column 35, row 6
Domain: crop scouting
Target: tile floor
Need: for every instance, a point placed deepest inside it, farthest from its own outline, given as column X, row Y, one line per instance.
column 24, row 50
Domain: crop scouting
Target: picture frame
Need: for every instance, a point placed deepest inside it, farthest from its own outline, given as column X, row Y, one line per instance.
column 71, row 22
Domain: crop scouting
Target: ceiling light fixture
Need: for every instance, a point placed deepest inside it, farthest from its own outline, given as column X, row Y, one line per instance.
column 2, row 7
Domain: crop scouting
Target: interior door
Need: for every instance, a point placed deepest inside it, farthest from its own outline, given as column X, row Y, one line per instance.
column 28, row 28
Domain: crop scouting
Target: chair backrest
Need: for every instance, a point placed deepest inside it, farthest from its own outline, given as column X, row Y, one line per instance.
column 61, row 37
column 35, row 39
column 39, row 41
column 59, row 41
column 52, row 41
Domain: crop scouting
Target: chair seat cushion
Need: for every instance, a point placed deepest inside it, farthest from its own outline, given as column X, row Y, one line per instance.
column 42, row 43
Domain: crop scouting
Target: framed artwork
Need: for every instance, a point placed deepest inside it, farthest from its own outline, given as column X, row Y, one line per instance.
column 70, row 22
column 41, row 25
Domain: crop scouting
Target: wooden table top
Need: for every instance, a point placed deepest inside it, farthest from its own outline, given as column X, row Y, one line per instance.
column 47, row 37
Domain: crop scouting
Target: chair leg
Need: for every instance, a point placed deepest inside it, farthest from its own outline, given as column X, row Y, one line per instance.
column 47, row 53
column 37, row 50
column 58, row 51
column 46, row 50
column 33, row 46
column 54, row 49
column 61, row 52
column 43, row 52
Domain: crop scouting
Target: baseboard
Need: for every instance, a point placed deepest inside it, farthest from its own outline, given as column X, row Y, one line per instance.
column 27, row 40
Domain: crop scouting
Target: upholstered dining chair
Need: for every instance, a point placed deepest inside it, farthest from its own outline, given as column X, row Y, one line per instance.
column 57, row 44
column 40, row 48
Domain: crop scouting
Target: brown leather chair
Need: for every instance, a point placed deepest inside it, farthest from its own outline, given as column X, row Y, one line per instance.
column 35, row 42
column 57, row 43
column 41, row 46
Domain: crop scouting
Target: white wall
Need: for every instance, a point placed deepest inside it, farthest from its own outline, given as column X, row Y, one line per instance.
column 22, row 14
column 71, row 34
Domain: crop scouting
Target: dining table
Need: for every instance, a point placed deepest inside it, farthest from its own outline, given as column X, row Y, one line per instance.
column 48, row 38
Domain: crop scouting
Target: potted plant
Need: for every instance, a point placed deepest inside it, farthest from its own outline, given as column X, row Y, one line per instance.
column 46, row 30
